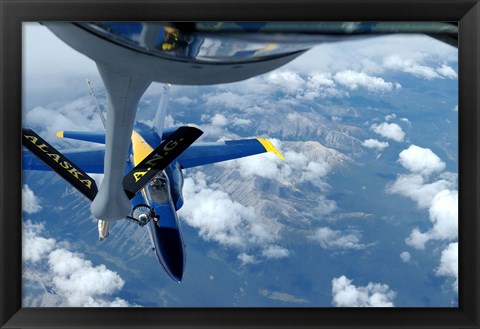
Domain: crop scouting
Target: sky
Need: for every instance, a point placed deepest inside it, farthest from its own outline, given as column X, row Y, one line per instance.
column 326, row 73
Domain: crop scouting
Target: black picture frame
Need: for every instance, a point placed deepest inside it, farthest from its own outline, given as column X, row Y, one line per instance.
column 14, row 12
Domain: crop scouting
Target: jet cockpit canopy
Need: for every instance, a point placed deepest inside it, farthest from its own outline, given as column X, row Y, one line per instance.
column 158, row 190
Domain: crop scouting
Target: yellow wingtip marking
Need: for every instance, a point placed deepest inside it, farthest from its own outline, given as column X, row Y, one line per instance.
column 60, row 134
column 269, row 147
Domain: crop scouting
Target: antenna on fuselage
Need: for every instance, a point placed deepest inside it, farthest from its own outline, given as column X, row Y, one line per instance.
column 96, row 103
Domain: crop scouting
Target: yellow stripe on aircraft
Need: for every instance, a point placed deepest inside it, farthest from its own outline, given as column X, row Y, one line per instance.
column 269, row 147
column 60, row 134
column 141, row 149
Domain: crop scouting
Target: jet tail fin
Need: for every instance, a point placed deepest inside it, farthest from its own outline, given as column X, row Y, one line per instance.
column 99, row 111
column 159, row 121
column 59, row 163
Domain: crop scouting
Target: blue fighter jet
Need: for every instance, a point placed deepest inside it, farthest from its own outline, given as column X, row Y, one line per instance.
column 153, row 178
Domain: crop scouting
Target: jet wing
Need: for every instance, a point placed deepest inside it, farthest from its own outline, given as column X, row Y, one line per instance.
column 87, row 136
column 89, row 160
column 204, row 153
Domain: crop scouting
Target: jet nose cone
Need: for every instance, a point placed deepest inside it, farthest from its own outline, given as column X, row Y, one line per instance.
column 171, row 252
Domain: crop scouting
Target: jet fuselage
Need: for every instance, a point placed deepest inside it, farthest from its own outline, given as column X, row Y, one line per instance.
column 164, row 196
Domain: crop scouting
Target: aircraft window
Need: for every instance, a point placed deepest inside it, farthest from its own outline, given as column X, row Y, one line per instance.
column 157, row 189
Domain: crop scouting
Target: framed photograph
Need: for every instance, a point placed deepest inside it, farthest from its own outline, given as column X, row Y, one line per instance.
column 290, row 164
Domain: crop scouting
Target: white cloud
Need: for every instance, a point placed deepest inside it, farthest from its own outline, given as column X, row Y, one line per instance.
column 413, row 186
column 417, row 239
column 170, row 122
column 373, row 143
column 367, row 55
column 390, row 117
column 265, row 165
column 416, row 64
column 449, row 263
column 147, row 122
column 184, row 100
column 405, row 256
column 275, row 252
column 289, row 81
column 215, row 127
column 34, row 246
column 330, row 239
column 246, row 259
column 79, row 281
column 219, row 120
column 345, row 294
column 216, row 216
column 30, row 202
column 321, row 85
column 76, row 115
column 406, row 121
column 447, row 72
column 226, row 99
column 421, row 160
column 439, row 197
column 281, row 296
column 320, row 80
column 219, row 218
column 314, row 171
column 117, row 302
column 409, row 65
column 353, row 80
column 76, row 281
column 305, row 163
column 443, row 213
column 389, row 130
column 343, row 72
column 241, row 122
column 58, row 59
column 308, row 167
column 455, row 108
column 53, row 68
